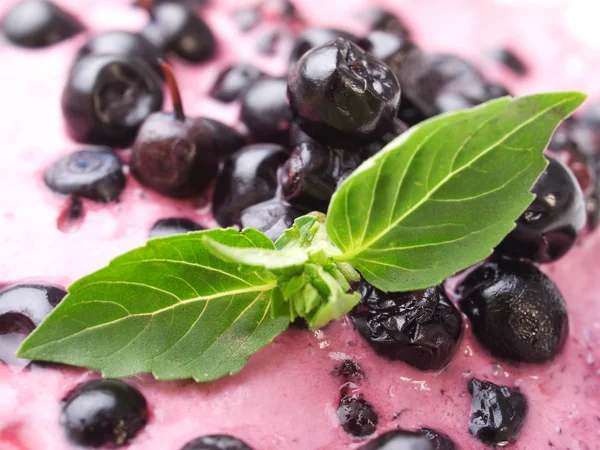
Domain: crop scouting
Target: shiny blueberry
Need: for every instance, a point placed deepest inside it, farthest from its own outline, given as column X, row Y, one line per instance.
column 315, row 37
column 172, row 226
column 103, row 413
column 420, row 328
column 22, row 308
column 249, row 176
column 497, row 412
column 342, row 96
column 311, row 175
column 424, row 439
column 177, row 28
column 172, row 154
column 107, row 97
column 550, row 225
column 265, row 111
column 233, row 81
column 272, row 217
column 95, row 173
column 357, row 416
column 516, row 312
column 509, row 59
column 38, row 23
column 383, row 20
column 216, row 442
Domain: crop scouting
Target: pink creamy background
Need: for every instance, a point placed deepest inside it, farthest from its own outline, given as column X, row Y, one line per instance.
column 286, row 397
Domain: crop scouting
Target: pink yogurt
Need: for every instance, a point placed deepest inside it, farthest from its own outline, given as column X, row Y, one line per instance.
column 286, row 397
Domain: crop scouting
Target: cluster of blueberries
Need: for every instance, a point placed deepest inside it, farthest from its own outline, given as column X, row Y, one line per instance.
column 344, row 98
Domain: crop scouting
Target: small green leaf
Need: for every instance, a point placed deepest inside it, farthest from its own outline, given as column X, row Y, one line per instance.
column 171, row 308
column 440, row 197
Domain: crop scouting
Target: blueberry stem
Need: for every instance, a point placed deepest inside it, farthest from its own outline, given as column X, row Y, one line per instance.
column 148, row 5
column 174, row 90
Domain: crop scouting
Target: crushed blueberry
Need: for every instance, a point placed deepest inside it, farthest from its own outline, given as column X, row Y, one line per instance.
column 439, row 440
column 233, row 81
column 272, row 217
column 516, row 312
column 172, row 226
column 357, row 415
column 216, row 442
column 348, row 369
column 103, row 413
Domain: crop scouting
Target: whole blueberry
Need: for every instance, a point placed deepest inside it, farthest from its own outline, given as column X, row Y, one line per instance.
column 103, row 413
column 94, row 173
column 234, row 80
column 38, row 23
column 249, row 176
column 107, row 97
column 420, row 328
column 516, row 312
column 357, row 416
column 272, row 217
column 172, row 226
column 497, row 412
column 216, row 442
column 314, row 37
column 342, row 96
column 550, row 225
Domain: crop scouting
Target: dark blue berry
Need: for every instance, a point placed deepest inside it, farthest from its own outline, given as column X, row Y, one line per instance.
column 516, row 312
column 247, row 18
column 388, row 47
column 509, row 59
column 233, row 81
column 357, row 415
column 22, row 308
column 268, row 41
column 439, row 440
column 315, row 37
column 266, row 112
column 95, row 173
column 177, row 28
column 38, row 23
column 172, row 226
column 342, row 96
column 216, row 442
column 421, row 328
column 249, row 176
column 424, row 439
column 107, row 97
column 497, row 412
column 551, row 224
column 383, row 20
column 348, row 369
column 103, row 413
column 272, row 217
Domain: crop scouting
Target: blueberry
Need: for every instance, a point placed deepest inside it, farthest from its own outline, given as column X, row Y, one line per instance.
column 226, row 140
column 178, row 29
column 279, row 9
column 124, row 43
column 497, row 412
column 38, row 23
column 265, row 111
column 348, row 369
column 268, row 41
column 22, row 308
column 383, row 20
column 107, row 97
column 342, row 96
column 420, row 328
column 103, row 413
column 247, row 18
column 272, row 217
column 509, row 59
column 216, row 442
column 550, row 225
column 388, row 47
column 315, row 37
column 249, row 176
column 175, row 155
column 310, row 176
column 95, row 173
column 516, row 312
column 424, row 439
column 233, row 81
column 172, row 226
column 357, row 415
column 439, row 440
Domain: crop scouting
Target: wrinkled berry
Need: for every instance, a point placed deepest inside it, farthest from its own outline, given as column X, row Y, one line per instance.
column 357, row 416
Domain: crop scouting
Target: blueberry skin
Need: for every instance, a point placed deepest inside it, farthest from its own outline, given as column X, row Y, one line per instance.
column 233, row 81
column 265, row 111
column 107, row 97
column 420, row 328
column 226, row 140
column 96, row 174
column 342, row 96
column 216, row 442
column 38, row 23
column 173, row 226
column 516, row 312
column 388, row 47
column 176, row 158
column 547, row 230
column 383, row 20
column 497, row 412
column 439, row 440
column 23, row 307
column 249, row 176
column 178, row 29
column 103, row 413
column 314, row 37
column 357, row 416
column 272, row 217
column 124, row 43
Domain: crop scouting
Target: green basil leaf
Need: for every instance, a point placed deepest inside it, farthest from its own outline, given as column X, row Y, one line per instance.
column 171, row 308
column 440, row 197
